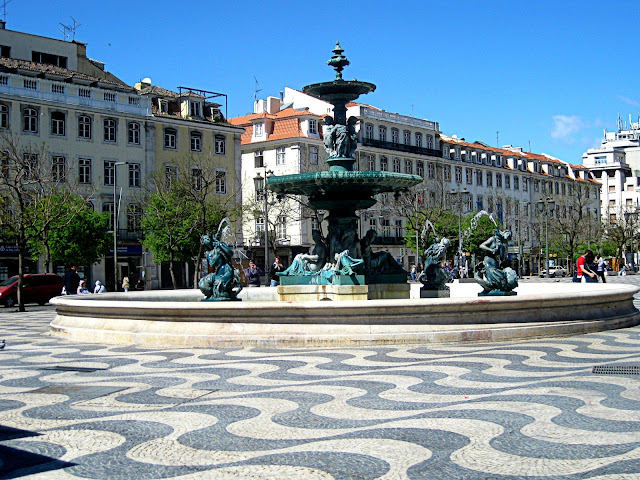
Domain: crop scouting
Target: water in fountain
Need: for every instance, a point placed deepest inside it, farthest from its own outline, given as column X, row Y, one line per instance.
column 474, row 223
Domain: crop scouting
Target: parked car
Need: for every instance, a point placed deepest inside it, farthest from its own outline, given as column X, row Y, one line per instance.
column 554, row 271
column 37, row 288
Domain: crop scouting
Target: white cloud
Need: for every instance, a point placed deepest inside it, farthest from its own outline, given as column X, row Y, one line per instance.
column 629, row 101
column 564, row 127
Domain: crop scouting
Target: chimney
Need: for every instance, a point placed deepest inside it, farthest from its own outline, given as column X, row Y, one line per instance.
column 3, row 24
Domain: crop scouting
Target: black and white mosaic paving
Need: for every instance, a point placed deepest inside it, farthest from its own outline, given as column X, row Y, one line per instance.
column 525, row 410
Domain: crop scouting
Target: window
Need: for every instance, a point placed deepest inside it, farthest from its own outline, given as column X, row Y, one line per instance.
column 429, row 139
column 418, row 139
column 373, row 224
column 457, row 153
column 479, row 177
column 313, row 155
column 57, row 88
column 259, row 228
column 58, row 168
column 395, row 135
column 221, row 182
column 612, row 188
column 313, row 126
column 170, row 135
column 84, row 170
column 564, row 189
column 258, row 129
column 196, row 142
column 49, row 59
column 170, row 176
column 30, row 117
column 469, row 176
column 399, row 231
column 84, row 93
column 368, row 131
column 30, row 161
column 220, row 145
column 194, row 109
column 84, row 126
column 57, row 123
column 134, row 215
column 525, row 184
column 479, row 202
column 4, row 115
column 196, row 178
column 407, row 137
column 258, row 158
column 431, row 170
column 134, row 175
column 372, row 163
column 384, row 164
column 447, row 173
column 507, row 181
column 557, row 189
column 259, row 186
column 108, row 208
column 109, row 97
column 498, row 180
column 382, row 133
column 109, row 172
column 458, row 174
column 4, row 79
column 536, row 185
column 164, row 106
column 544, row 186
column 386, row 227
column 281, row 227
column 420, row 168
column 280, row 156
column 134, row 100
column 30, row 84
column 446, row 151
column 109, row 130
column 396, row 165
column 489, row 179
column 134, row 133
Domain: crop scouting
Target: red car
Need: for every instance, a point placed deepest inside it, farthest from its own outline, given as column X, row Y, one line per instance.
column 37, row 288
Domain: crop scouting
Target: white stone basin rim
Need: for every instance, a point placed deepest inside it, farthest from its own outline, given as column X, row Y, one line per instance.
column 177, row 318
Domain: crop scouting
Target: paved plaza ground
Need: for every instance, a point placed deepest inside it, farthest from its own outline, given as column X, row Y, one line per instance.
column 525, row 410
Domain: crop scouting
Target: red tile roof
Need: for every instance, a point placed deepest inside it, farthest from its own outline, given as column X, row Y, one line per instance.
column 286, row 124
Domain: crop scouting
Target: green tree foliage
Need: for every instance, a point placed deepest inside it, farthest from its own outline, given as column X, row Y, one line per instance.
column 477, row 234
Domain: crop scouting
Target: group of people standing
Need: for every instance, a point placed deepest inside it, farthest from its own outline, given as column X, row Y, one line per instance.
column 253, row 273
column 74, row 285
column 590, row 267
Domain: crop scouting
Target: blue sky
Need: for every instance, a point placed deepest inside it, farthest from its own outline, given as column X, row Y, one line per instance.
column 547, row 74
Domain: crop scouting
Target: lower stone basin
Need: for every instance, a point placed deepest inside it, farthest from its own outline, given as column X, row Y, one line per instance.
column 179, row 319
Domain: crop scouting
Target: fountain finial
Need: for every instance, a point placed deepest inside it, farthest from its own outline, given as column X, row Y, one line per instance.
column 338, row 61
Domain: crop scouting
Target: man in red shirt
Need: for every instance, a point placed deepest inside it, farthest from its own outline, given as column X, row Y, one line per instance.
column 582, row 266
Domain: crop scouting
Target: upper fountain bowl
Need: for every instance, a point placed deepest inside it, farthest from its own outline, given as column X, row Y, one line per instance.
column 339, row 91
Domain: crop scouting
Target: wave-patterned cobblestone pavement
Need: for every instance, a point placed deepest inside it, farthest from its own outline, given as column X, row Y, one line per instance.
column 525, row 410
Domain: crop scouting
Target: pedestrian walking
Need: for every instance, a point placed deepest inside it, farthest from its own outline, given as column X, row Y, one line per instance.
column 275, row 267
column 71, row 280
column 582, row 270
column 125, row 283
column 600, row 268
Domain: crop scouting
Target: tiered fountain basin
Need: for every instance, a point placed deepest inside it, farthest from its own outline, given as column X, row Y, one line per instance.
column 178, row 319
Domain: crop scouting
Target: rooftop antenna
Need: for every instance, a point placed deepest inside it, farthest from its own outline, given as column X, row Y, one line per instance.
column 412, row 109
column 73, row 29
column 256, row 90
column 497, row 139
column 64, row 29
column 4, row 9
column 529, row 145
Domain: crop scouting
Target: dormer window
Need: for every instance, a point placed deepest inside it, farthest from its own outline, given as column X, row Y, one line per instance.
column 164, row 106
column 259, row 129
column 195, row 109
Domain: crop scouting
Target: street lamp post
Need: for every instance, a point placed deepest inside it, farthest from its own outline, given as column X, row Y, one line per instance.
column 261, row 188
column 116, row 217
column 629, row 217
column 460, row 199
column 548, row 207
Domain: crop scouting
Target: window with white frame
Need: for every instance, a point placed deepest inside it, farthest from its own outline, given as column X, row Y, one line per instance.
column 4, row 115
column 457, row 153
column 372, row 163
column 313, row 126
column 195, row 109
column 399, row 230
column 258, row 129
column 469, row 176
column 384, row 164
column 429, row 139
column 134, row 175
column 84, row 170
column 220, row 145
column 58, row 120
column 479, row 177
column 133, row 129
column 134, row 217
column 170, row 176
column 407, row 137
column 489, row 179
column 458, row 174
column 109, row 172
column 259, row 228
column 382, row 133
column 170, row 138
column 163, row 106
column 447, row 173
column 536, row 186
column 107, row 207
column 498, row 180
column 418, row 139
column 221, row 182
column 507, row 181
column 420, row 168
column 196, row 142
column 431, row 170
column 396, row 165
column 525, row 184
column 446, row 151
column 564, row 189
column 197, row 180
column 386, row 227
column 281, row 227
column 395, row 135
column 368, row 131
column 373, row 224
column 84, row 127
column 58, row 168
column 258, row 158
column 516, row 183
column 313, row 155
column 408, row 166
column 109, row 130
column 281, row 156
column 30, row 120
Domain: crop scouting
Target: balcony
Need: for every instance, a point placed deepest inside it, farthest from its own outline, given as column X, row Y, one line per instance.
column 400, row 147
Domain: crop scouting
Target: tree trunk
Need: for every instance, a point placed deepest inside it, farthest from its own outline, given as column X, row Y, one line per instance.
column 47, row 259
column 20, row 278
column 196, row 264
column 173, row 274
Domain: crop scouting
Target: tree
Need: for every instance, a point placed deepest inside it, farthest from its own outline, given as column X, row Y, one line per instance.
column 29, row 177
